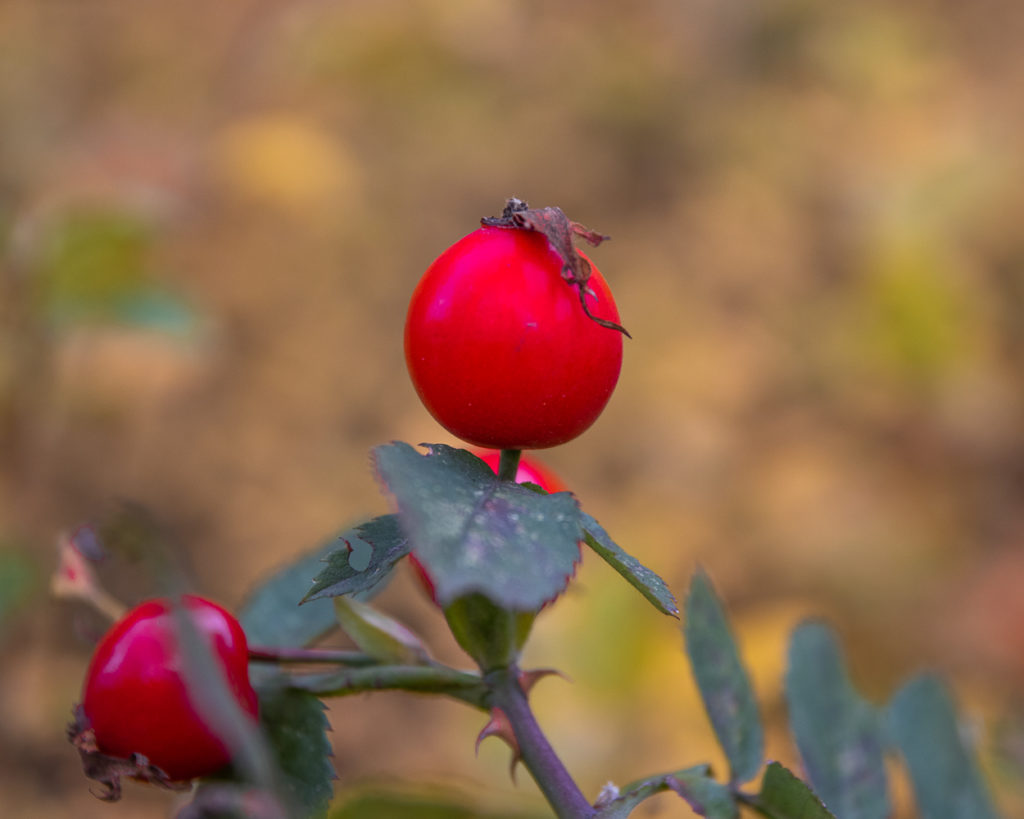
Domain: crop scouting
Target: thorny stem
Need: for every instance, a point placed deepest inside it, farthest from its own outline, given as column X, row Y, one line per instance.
column 548, row 771
column 508, row 466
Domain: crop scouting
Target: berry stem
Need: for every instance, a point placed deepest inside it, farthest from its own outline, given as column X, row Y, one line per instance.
column 551, row 776
column 508, row 466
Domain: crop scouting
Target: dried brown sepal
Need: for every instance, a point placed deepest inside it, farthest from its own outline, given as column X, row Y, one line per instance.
column 75, row 579
column 499, row 726
column 110, row 770
column 559, row 230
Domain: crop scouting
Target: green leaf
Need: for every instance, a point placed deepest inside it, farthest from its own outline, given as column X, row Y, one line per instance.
column 784, row 796
column 271, row 615
column 838, row 733
column 365, row 559
column 476, row 534
column 295, row 726
column 378, row 635
column 639, row 576
column 695, row 785
column 947, row 783
column 722, row 680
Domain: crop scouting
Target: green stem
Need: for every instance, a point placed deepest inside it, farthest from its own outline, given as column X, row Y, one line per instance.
column 508, row 466
column 283, row 654
column 423, row 679
column 551, row 776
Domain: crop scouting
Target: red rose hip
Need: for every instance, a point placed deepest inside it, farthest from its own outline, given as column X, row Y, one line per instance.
column 135, row 696
column 499, row 346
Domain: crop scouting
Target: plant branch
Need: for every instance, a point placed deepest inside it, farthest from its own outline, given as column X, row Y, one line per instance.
column 286, row 654
column 551, row 776
column 422, row 679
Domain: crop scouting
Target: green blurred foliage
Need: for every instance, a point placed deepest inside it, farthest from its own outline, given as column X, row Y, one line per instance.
column 93, row 267
column 92, row 261
column 17, row 579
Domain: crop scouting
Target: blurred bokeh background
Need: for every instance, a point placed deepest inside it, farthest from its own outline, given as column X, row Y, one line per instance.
column 212, row 216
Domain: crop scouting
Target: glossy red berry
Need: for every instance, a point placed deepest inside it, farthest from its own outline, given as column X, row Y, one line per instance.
column 530, row 470
column 135, row 697
column 499, row 347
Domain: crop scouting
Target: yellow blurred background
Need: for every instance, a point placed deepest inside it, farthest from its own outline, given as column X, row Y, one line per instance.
column 212, row 216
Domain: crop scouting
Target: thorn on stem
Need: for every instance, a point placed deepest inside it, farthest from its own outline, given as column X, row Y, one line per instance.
column 499, row 726
column 528, row 679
